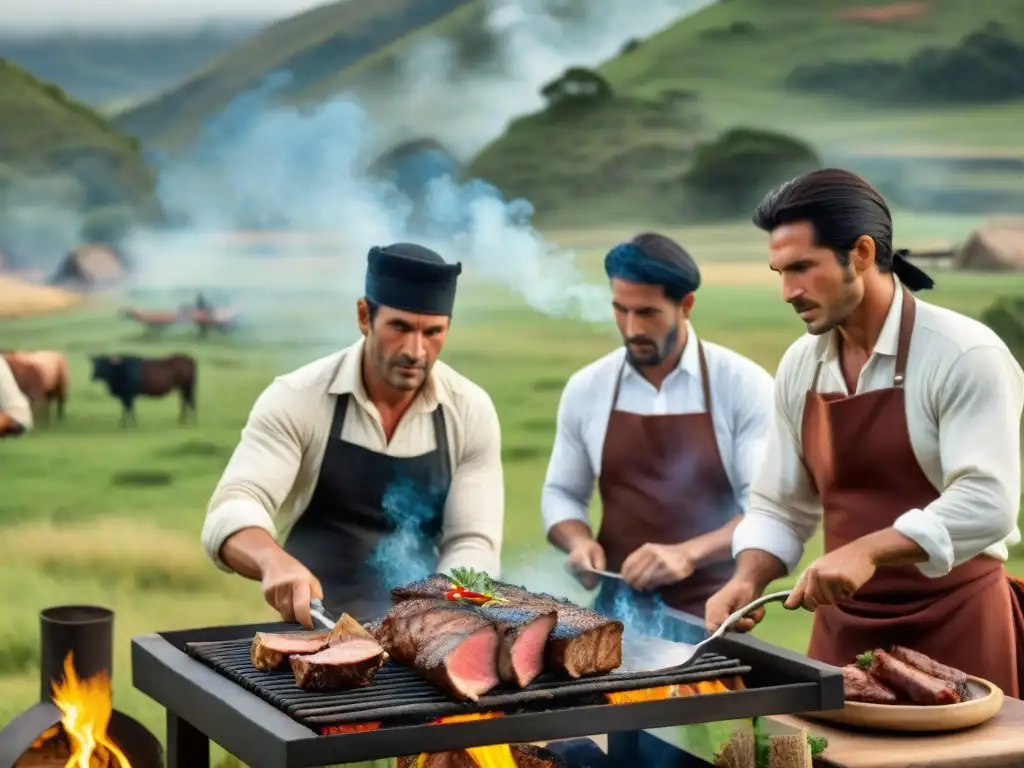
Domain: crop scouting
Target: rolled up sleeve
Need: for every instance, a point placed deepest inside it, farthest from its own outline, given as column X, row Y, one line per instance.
column 569, row 483
column 475, row 510
column 12, row 400
column 978, row 409
column 784, row 509
column 261, row 472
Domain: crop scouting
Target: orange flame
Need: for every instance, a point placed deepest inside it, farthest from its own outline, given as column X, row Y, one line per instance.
column 674, row 691
column 86, row 707
column 494, row 756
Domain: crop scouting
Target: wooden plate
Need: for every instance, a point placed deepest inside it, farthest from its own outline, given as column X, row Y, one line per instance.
column 913, row 719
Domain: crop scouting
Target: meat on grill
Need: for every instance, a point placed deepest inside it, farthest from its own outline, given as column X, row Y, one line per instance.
column 583, row 642
column 524, row 636
column 920, row 687
column 858, row 685
column 930, row 666
column 347, row 664
column 525, row 756
column 270, row 650
column 454, row 646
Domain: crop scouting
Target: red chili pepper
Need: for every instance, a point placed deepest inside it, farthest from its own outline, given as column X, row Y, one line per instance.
column 460, row 594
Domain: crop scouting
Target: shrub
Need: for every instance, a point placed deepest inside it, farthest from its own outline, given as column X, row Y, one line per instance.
column 729, row 175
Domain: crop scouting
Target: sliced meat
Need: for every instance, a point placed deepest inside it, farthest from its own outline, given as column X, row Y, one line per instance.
column 524, row 636
column 347, row 664
column 930, row 666
column 583, row 642
column 860, row 686
column 451, row 644
column 270, row 650
column 920, row 687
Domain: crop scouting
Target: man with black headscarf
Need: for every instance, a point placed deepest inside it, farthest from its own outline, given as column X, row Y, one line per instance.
column 379, row 460
column 897, row 425
column 672, row 427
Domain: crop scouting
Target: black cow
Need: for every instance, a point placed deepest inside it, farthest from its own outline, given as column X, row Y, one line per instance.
column 128, row 377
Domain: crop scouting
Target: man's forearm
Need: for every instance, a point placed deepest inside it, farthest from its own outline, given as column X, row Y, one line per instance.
column 568, row 533
column 248, row 551
column 714, row 547
column 758, row 568
column 890, row 547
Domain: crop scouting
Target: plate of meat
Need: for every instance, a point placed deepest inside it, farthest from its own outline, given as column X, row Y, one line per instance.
column 904, row 690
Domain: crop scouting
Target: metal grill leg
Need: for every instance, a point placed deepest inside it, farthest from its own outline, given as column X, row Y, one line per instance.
column 187, row 746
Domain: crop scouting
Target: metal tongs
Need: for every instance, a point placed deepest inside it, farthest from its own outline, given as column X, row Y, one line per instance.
column 320, row 614
column 652, row 654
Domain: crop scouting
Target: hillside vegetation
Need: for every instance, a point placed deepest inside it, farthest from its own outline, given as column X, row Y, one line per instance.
column 61, row 154
column 314, row 47
column 788, row 67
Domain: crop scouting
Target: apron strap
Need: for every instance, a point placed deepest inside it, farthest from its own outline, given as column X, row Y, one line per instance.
column 705, row 380
column 906, row 329
column 338, row 420
column 441, row 438
column 618, row 383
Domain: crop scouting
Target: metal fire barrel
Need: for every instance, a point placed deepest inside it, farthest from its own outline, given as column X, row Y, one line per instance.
column 87, row 631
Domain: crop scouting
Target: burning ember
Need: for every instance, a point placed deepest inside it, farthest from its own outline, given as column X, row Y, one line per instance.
column 86, row 707
column 494, row 756
column 674, row 691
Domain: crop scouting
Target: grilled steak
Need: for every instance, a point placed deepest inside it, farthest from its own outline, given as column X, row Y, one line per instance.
column 347, row 664
column 525, row 756
column 920, row 687
column 453, row 645
column 524, row 635
column 583, row 642
column 858, row 685
column 955, row 677
column 270, row 650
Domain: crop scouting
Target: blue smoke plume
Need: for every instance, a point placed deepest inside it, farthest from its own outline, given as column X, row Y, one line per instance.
column 408, row 553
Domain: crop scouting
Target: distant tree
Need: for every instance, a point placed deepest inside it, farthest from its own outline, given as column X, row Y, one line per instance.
column 729, row 175
column 577, row 87
column 108, row 224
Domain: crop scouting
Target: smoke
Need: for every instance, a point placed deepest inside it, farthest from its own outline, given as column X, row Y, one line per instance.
column 305, row 175
column 531, row 42
column 407, row 553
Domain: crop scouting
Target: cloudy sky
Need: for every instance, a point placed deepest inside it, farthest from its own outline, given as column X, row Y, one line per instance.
column 103, row 14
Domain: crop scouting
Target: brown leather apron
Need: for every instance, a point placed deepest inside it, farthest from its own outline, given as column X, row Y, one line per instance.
column 858, row 451
column 662, row 482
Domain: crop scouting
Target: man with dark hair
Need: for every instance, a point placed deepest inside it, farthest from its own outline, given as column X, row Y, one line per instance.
column 672, row 426
column 352, row 449
column 897, row 425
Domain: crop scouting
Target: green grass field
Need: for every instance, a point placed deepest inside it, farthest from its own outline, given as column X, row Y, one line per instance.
column 95, row 514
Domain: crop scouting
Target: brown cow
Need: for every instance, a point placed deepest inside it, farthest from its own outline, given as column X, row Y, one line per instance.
column 43, row 377
column 129, row 376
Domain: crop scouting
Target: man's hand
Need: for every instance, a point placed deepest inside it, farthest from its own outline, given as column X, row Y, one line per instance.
column 587, row 553
column 288, row 586
column 656, row 565
column 729, row 599
column 833, row 577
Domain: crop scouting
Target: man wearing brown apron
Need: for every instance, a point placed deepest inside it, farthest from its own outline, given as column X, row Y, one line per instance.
column 673, row 427
column 898, row 425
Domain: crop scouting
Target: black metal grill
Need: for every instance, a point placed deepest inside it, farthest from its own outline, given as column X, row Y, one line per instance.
column 398, row 693
column 204, row 679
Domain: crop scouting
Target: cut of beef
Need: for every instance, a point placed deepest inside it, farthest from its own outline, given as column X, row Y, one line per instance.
column 524, row 635
column 270, row 650
column 454, row 646
column 346, row 664
column 583, row 642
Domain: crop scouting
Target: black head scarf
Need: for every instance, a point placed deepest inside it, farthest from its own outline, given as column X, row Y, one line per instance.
column 411, row 278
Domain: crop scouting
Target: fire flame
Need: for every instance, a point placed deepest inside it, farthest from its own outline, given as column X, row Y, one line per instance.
column 86, row 707
column 494, row 756
column 674, row 691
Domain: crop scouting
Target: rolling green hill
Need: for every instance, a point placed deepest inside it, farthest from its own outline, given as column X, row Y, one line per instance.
column 732, row 65
column 319, row 48
column 49, row 140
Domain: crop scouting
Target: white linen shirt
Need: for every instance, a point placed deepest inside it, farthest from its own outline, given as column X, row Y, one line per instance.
column 273, row 472
column 964, row 396
column 741, row 395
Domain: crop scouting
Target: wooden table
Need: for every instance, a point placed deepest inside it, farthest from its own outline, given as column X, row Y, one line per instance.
column 999, row 743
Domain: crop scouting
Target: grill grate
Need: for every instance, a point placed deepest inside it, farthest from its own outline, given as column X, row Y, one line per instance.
column 398, row 693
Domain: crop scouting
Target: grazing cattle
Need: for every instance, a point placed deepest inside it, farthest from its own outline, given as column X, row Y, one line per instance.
column 128, row 377
column 42, row 376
